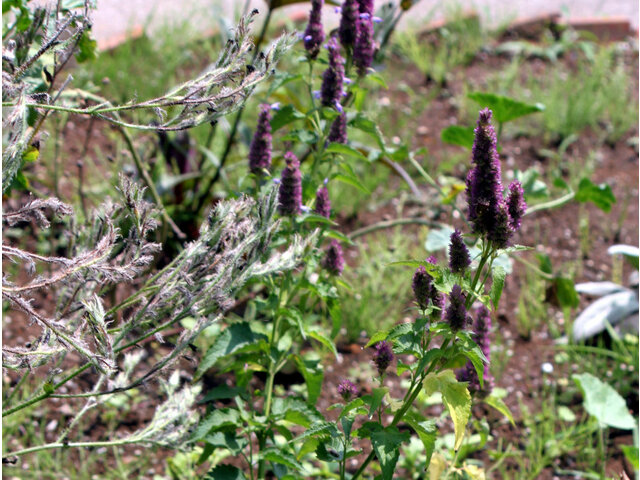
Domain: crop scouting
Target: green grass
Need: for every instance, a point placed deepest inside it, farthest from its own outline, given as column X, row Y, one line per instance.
column 381, row 292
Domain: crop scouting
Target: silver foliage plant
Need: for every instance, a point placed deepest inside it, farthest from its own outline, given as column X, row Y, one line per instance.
column 201, row 282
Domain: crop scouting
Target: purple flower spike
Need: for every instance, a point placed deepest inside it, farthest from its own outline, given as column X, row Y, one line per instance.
column 333, row 77
column 500, row 231
column 347, row 389
column 334, row 261
column 364, row 47
column 516, row 205
column 323, row 203
column 365, row 6
column 456, row 314
column 314, row 34
column 338, row 132
column 481, row 331
column 436, row 296
column 383, row 356
column 348, row 29
column 459, row 259
column 260, row 148
column 290, row 192
column 484, row 187
column 421, row 286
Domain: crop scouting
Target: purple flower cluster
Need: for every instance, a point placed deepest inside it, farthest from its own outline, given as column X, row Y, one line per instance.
column 459, row 259
column 456, row 314
column 383, row 356
column 347, row 389
column 489, row 213
column 260, row 148
column 334, row 260
column 425, row 292
column 348, row 29
column 290, row 192
column 481, row 332
column 364, row 47
column 333, row 77
column 314, row 34
column 338, row 132
column 323, row 203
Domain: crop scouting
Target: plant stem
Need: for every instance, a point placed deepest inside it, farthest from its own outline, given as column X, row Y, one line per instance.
column 392, row 223
column 51, row 446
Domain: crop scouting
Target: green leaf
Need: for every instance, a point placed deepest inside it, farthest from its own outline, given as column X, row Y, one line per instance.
column 376, row 399
column 231, row 339
column 427, row 432
column 497, row 276
column 227, row 440
column 342, row 149
column 499, row 405
column 283, row 458
column 313, row 375
column 31, row 154
column 438, row 239
column 532, row 186
column 217, row 419
column 353, row 181
column 604, row 403
column 319, row 428
column 504, row 109
column 457, row 135
column 87, row 48
column 456, row 398
column 377, row 337
column 377, row 78
column 284, row 116
column 566, row 292
column 324, row 340
column 220, row 392
column 369, row 126
column 601, row 195
column 386, row 444
column 225, row 472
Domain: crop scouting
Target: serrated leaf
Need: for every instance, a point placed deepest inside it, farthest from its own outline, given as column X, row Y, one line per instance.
column 499, row 405
column 457, row 135
column 377, row 337
column 601, row 195
column 427, row 432
column 284, row 116
column 376, row 399
column 283, row 458
column 217, row 419
column 504, row 109
column 227, row 440
column 221, row 391
column 497, row 284
column 319, row 428
column 225, row 472
column 386, row 445
column 456, row 398
column 604, row 403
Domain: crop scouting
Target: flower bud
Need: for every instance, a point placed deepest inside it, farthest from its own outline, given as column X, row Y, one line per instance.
column 323, row 203
column 456, row 314
column 334, row 260
column 338, row 132
column 290, row 191
column 383, row 356
column 260, row 148
column 347, row 389
column 516, row 205
column 459, row 259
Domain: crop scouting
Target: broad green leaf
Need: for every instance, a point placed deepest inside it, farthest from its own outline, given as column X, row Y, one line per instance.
column 457, row 135
column 225, row 472
column 369, row 126
column 227, row 440
column 231, row 339
column 353, row 181
column 31, row 154
column 497, row 276
column 377, row 78
column 438, row 239
column 604, row 403
column 427, row 432
column 601, row 195
column 377, row 337
column 565, row 414
column 278, row 456
column 319, row 428
column 217, row 419
column 386, row 444
column 313, row 375
column 221, row 391
column 343, row 149
column 499, row 405
column 284, row 116
column 330, row 450
column 532, row 186
column 504, row 109
column 456, row 398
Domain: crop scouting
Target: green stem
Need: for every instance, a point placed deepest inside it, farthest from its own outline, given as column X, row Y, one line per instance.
column 393, row 223
column 558, row 202
column 51, row 446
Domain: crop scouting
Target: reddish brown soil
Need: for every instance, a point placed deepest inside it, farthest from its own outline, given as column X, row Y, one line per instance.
column 556, row 232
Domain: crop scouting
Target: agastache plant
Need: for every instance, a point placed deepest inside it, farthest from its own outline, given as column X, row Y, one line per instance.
column 348, row 29
column 314, row 34
column 260, row 148
column 333, row 77
column 290, row 193
column 364, row 47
